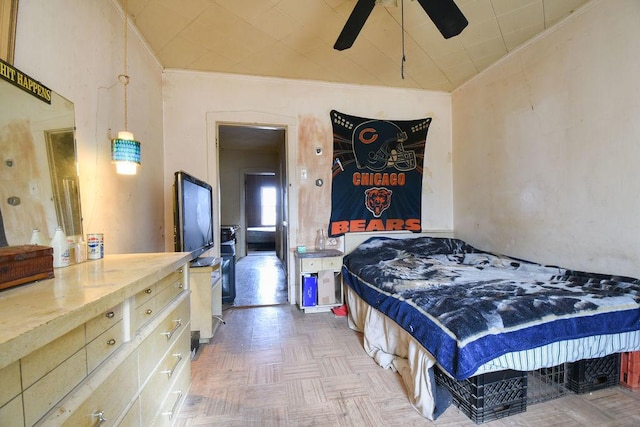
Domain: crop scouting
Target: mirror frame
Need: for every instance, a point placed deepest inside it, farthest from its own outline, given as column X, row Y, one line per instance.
column 8, row 20
column 49, row 123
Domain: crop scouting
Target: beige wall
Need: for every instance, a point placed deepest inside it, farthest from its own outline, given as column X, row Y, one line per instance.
column 546, row 146
column 233, row 165
column 75, row 47
column 196, row 102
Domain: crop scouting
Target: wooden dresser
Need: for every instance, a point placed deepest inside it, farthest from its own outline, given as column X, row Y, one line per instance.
column 105, row 342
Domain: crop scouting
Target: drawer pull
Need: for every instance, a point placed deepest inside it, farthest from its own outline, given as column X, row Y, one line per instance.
column 148, row 291
column 110, row 314
column 181, row 285
column 175, row 405
column 111, row 342
column 100, row 416
column 170, row 372
column 148, row 311
column 173, row 331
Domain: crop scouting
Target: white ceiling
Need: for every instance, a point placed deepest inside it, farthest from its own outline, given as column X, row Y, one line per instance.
column 294, row 38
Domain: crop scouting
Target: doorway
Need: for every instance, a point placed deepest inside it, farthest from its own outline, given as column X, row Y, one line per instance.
column 253, row 195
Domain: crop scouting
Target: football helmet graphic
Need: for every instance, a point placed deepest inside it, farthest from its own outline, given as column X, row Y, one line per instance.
column 378, row 144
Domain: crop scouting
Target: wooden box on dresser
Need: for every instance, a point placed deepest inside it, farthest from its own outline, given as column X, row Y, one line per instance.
column 105, row 342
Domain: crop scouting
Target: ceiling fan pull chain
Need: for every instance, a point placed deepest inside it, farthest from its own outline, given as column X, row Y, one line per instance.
column 403, row 57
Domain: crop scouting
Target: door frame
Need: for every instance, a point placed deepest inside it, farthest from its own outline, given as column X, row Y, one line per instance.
column 257, row 118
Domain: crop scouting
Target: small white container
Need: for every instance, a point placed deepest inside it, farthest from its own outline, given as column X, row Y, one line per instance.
column 37, row 238
column 60, row 249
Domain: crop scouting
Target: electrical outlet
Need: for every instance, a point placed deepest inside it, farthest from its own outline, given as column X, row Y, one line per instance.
column 303, row 174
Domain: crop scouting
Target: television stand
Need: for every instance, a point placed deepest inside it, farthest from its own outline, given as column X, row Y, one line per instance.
column 206, row 299
column 205, row 261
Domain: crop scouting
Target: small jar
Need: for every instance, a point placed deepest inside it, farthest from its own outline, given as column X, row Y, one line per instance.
column 37, row 238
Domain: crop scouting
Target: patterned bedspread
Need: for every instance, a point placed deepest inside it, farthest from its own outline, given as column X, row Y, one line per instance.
column 467, row 307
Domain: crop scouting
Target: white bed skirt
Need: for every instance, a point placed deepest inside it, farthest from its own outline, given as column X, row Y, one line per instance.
column 392, row 347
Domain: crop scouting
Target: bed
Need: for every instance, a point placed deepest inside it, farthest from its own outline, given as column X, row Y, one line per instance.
column 429, row 301
column 261, row 238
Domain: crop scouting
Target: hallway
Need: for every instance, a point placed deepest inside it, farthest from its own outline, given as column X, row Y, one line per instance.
column 260, row 280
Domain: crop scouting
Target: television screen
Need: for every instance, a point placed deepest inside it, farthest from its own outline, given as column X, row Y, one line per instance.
column 193, row 214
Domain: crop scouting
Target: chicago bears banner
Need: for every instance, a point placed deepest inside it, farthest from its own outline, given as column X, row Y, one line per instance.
column 377, row 174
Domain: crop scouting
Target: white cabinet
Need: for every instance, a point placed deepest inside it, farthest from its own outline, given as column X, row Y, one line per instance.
column 206, row 299
column 82, row 354
column 318, row 284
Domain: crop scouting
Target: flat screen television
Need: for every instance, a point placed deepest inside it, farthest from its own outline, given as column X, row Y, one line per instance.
column 193, row 216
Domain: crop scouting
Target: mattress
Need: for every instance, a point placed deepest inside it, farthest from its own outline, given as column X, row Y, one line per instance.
column 468, row 307
column 401, row 333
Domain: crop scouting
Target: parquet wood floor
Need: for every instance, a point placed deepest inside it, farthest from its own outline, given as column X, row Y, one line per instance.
column 275, row 366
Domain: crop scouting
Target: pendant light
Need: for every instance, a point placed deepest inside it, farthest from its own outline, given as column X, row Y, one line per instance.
column 125, row 150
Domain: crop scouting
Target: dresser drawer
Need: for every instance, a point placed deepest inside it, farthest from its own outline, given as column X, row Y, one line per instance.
column 104, row 321
column 110, row 399
column 174, row 279
column 10, row 380
column 152, row 299
column 313, row 265
column 332, row 263
column 42, row 361
column 164, row 375
column 42, row 395
column 175, row 398
column 11, row 413
column 144, row 313
column 163, row 336
column 104, row 345
column 168, row 294
column 145, row 295
column 310, row 265
column 132, row 417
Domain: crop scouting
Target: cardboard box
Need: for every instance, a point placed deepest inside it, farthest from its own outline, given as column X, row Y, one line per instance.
column 24, row 264
column 326, row 287
column 309, row 290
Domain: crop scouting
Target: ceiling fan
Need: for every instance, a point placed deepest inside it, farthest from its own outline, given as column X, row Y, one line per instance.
column 444, row 14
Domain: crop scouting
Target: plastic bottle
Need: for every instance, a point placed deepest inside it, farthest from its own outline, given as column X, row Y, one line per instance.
column 321, row 240
column 37, row 238
column 81, row 250
column 60, row 249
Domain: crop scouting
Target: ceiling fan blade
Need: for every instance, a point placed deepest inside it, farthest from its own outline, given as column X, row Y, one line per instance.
column 446, row 15
column 354, row 24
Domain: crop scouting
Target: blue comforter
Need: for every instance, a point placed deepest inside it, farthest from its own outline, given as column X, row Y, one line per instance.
column 467, row 307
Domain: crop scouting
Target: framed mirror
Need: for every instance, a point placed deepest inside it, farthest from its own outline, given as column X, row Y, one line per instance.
column 8, row 15
column 38, row 166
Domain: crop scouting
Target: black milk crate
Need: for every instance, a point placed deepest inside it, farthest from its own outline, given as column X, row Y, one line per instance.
column 588, row 375
column 489, row 396
column 546, row 384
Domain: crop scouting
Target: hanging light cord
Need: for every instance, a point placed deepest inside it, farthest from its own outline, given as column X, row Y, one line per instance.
column 124, row 77
column 403, row 57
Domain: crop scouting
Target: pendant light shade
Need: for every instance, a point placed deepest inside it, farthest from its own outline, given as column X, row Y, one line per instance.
column 125, row 150
column 125, row 153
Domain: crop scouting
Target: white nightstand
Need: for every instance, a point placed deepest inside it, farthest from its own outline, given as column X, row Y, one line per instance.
column 318, row 281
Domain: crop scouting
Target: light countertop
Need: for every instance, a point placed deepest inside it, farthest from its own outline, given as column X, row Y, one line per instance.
column 36, row 313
